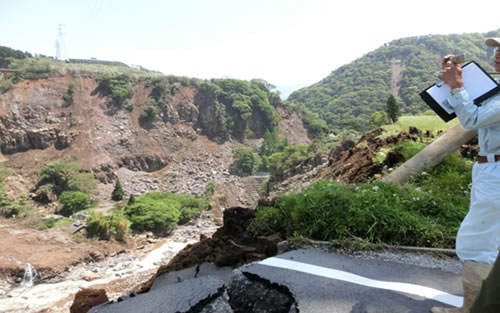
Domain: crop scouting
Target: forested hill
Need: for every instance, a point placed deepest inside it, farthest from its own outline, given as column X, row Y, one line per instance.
column 347, row 98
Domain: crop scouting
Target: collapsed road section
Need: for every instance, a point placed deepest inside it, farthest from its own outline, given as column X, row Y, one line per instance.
column 306, row 281
column 206, row 289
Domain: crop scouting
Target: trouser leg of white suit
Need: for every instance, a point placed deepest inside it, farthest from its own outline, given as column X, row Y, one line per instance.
column 478, row 237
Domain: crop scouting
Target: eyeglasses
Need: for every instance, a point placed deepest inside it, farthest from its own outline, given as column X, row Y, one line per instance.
column 496, row 50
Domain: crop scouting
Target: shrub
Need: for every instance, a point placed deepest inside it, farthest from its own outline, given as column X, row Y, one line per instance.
column 409, row 148
column 44, row 192
column 106, row 226
column 149, row 114
column 267, row 221
column 68, row 94
column 22, row 210
column 160, row 212
column 73, row 201
column 263, row 188
column 280, row 161
column 246, row 160
column 190, row 207
column 116, row 86
column 158, row 216
column 378, row 119
column 65, row 221
column 6, row 86
column 209, row 190
column 160, row 87
column 58, row 173
column 4, row 172
column 63, row 175
column 84, row 182
column 5, row 204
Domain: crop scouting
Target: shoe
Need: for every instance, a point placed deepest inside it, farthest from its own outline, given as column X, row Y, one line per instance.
column 474, row 274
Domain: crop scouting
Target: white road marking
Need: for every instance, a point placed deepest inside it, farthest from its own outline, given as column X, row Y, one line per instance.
column 418, row 290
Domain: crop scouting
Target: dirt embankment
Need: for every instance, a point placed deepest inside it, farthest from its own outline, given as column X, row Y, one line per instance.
column 231, row 245
column 352, row 162
column 51, row 252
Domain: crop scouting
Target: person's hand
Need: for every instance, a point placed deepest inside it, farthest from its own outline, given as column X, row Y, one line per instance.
column 452, row 73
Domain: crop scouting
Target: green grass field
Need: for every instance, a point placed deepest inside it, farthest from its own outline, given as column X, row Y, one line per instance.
column 422, row 122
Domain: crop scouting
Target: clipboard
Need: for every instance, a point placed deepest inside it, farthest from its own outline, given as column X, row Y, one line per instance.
column 479, row 84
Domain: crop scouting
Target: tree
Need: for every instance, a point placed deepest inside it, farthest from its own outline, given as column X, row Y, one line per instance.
column 131, row 199
column 246, row 160
column 58, row 174
column 157, row 216
column 117, row 193
column 393, row 109
column 73, row 201
column 378, row 119
column 84, row 182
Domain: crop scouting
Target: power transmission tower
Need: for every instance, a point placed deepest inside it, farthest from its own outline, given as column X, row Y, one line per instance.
column 60, row 43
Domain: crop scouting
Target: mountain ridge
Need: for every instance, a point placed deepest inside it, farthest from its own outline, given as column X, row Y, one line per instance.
column 348, row 97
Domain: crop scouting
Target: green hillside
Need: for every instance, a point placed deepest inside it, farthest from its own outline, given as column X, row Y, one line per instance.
column 348, row 97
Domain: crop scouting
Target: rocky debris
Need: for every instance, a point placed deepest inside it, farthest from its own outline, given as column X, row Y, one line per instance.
column 21, row 138
column 89, row 276
column 145, row 163
column 105, row 173
column 88, row 298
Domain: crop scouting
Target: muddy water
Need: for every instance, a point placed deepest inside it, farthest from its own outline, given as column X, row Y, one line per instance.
column 131, row 267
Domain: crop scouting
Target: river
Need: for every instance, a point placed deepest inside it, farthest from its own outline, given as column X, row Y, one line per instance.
column 116, row 274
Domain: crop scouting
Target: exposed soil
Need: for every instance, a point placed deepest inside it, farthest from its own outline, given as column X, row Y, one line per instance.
column 397, row 75
column 230, row 245
column 51, row 251
column 88, row 298
column 352, row 162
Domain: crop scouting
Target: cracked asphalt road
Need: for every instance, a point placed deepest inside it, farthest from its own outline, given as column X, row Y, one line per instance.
column 332, row 283
column 319, row 282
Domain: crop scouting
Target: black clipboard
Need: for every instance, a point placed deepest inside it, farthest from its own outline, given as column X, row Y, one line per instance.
column 477, row 82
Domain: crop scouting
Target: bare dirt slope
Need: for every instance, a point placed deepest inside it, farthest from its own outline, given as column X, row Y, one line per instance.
column 175, row 155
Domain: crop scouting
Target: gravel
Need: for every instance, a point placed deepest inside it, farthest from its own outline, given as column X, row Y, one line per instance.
column 448, row 264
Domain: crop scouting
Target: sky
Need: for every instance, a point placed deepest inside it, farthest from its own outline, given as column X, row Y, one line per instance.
column 289, row 43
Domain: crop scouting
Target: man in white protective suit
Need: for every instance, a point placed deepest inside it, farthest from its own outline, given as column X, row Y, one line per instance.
column 478, row 238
